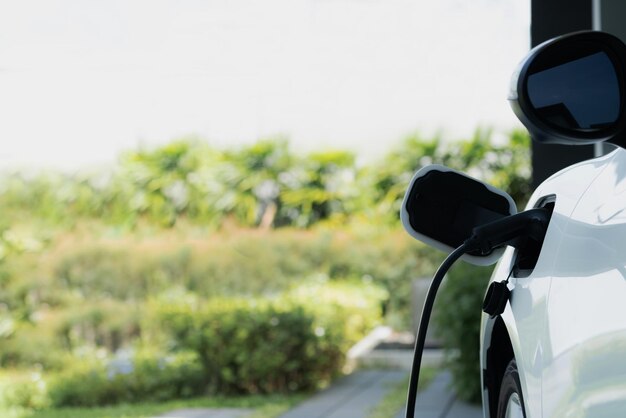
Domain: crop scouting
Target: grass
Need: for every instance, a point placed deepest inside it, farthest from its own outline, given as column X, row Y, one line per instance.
column 395, row 399
column 263, row 406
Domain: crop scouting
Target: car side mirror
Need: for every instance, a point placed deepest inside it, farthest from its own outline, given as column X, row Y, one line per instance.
column 572, row 90
column 442, row 206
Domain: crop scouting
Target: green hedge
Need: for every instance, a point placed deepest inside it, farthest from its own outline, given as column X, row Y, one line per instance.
column 294, row 342
column 228, row 264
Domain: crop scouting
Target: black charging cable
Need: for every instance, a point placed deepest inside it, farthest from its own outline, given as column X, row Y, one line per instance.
column 514, row 230
column 423, row 327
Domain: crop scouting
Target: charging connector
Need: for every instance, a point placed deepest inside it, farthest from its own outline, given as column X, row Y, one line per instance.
column 514, row 230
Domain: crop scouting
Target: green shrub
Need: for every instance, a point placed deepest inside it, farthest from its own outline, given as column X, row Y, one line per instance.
column 390, row 259
column 458, row 325
column 23, row 347
column 354, row 308
column 105, row 323
column 26, row 391
column 142, row 377
column 293, row 342
column 109, row 324
column 84, row 384
column 159, row 378
column 243, row 263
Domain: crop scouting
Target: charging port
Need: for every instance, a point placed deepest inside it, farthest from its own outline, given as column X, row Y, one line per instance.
column 527, row 256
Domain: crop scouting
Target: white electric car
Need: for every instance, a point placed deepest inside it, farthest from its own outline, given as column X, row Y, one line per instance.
column 553, row 340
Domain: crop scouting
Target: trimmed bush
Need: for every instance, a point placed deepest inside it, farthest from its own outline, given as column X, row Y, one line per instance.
column 294, row 342
column 458, row 325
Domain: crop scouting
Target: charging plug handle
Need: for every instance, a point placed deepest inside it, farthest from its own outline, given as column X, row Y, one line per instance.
column 514, row 230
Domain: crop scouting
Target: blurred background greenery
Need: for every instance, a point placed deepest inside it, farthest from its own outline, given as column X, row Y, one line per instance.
column 190, row 270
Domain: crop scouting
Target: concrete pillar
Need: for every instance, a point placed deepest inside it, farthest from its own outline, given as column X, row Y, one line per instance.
column 609, row 15
column 550, row 18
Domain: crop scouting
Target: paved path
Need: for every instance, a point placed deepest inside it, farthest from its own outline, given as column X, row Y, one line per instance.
column 355, row 395
column 436, row 401
column 351, row 397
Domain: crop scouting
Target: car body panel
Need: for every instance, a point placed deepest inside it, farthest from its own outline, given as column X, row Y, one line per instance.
column 585, row 374
column 526, row 315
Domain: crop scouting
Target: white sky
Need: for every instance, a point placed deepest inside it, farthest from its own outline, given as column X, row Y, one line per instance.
column 82, row 80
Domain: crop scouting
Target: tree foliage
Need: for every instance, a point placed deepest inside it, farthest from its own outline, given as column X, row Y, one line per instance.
column 505, row 164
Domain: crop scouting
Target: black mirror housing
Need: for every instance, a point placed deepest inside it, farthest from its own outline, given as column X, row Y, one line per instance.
column 442, row 206
column 572, row 90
